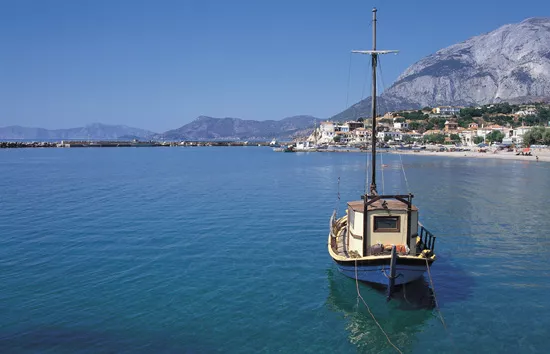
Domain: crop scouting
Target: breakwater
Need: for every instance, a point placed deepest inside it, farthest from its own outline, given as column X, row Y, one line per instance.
column 104, row 144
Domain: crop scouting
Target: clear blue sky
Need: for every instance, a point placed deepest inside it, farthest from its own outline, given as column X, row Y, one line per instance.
column 159, row 64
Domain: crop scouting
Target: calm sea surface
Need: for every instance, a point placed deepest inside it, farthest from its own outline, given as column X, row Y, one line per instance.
column 223, row 250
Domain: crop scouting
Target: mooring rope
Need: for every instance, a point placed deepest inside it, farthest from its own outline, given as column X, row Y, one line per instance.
column 435, row 297
column 370, row 312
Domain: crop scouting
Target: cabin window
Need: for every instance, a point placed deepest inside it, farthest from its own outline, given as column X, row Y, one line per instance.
column 386, row 224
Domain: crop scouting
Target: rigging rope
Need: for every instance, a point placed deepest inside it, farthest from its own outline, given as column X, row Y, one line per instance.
column 384, row 102
column 370, row 312
column 366, row 79
column 367, row 174
column 337, row 206
column 349, row 80
column 404, row 174
column 383, row 85
column 382, row 171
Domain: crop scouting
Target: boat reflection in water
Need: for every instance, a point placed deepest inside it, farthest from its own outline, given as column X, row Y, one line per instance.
column 402, row 318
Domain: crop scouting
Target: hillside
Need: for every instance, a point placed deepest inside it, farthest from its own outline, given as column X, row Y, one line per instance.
column 94, row 131
column 209, row 128
column 511, row 63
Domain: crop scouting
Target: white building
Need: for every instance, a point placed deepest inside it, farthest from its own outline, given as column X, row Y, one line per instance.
column 515, row 136
column 401, row 126
column 446, row 110
column 529, row 111
column 392, row 135
column 327, row 132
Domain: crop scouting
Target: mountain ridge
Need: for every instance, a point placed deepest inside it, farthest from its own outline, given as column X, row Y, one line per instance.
column 505, row 64
column 93, row 131
column 210, row 128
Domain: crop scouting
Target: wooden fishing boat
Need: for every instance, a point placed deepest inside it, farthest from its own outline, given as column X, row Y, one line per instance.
column 380, row 239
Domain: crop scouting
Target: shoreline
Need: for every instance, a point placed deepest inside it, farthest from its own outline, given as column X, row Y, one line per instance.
column 543, row 155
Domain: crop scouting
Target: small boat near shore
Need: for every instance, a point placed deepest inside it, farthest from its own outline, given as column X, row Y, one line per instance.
column 380, row 239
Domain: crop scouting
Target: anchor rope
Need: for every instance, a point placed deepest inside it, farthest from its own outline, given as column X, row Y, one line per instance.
column 437, row 307
column 435, row 297
column 370, row 312
column 405, row 293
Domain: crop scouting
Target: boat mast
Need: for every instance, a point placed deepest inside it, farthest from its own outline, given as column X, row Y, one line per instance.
column 374, row 55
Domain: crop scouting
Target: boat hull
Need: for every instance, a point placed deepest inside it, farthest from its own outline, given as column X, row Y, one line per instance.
column 378, row 274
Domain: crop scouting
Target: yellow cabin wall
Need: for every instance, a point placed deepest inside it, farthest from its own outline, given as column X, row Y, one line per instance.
column 388, row 238
column 355, row 227
column 414, row 232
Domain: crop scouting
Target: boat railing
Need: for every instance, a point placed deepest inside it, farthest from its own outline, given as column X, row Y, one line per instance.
column 426, row 238
column 333, row 223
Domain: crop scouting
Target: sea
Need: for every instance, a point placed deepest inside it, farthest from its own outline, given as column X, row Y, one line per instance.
column 224, row 250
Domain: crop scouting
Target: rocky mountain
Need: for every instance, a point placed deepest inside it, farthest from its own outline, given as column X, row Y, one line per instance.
column 503, row 65
column 208, row 128
column 94, row 131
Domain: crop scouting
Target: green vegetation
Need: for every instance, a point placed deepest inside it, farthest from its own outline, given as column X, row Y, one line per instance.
column 537, row 136
column 495, row 136
column 434, row 139
column 498, row 113
column 478, row 140
column 455, row 138
column 418, row 115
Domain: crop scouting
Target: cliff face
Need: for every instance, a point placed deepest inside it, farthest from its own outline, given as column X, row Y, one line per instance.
column 508, row 63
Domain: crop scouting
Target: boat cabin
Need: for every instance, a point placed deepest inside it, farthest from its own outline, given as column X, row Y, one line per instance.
column 387, row 222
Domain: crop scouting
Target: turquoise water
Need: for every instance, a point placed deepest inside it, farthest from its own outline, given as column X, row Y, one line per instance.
column 223, row 250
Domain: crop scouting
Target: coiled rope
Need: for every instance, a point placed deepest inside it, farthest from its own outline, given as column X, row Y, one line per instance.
column 370, row 312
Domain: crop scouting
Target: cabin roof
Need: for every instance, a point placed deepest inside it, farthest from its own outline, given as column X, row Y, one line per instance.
column 391, row 204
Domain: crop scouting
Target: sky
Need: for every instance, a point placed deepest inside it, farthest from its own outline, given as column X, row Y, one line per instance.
column 159, row 64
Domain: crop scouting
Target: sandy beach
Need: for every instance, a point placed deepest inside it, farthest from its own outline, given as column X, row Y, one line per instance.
column 543, row 154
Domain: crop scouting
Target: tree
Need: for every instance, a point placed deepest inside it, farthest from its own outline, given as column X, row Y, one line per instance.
column 435, row 138
column 537, row 136
column 495, row 136
column 360, row 120
column 336, row 138
column 415, row 125
column 478, row 139
column 455, row 138
column 427, row 108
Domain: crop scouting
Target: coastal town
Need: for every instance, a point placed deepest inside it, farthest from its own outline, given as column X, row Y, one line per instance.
column 510, row 130
column 501, row 124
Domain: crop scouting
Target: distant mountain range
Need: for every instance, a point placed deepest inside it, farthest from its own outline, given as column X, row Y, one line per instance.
column 208, row 128
column 511, row 63
column 96, row 131
column 202, row 128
